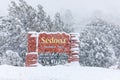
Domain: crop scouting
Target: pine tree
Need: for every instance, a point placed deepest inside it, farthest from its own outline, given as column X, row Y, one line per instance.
column 98, row 44
column 59, row 25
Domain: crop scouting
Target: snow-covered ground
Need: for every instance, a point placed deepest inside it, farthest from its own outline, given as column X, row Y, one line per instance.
column 66, row 72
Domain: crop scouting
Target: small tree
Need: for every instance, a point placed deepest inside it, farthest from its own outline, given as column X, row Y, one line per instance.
column 12, row 58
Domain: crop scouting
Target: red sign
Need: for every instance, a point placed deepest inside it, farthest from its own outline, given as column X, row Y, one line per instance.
column 44, row 43
column 59, row 43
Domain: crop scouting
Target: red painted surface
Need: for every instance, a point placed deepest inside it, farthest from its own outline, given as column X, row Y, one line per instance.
column 59, row 43
column 31, row 43
column 31, row 59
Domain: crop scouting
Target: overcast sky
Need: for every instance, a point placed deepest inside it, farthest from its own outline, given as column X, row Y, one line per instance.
column 78, row 7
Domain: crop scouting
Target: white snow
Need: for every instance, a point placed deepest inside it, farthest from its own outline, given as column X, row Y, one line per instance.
column 67, row 72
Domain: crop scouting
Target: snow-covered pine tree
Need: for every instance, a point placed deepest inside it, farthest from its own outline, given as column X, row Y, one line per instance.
column 67, row 17
column 59, row 25
column 40, row 19
column 98, row 44
column 49, row 27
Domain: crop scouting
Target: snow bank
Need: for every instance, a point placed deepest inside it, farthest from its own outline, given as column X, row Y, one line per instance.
column 65, row 72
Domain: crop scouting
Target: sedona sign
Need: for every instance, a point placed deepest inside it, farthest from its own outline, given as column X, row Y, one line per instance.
column 50, row 43
column 59, row 42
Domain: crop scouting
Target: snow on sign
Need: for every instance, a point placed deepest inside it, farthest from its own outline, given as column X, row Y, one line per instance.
column 42, row 46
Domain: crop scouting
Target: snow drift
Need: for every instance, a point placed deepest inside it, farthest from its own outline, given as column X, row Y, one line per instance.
column 66, row 72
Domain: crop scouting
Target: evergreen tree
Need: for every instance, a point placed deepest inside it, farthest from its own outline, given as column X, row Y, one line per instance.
column 97, row 44
column 59, row 25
